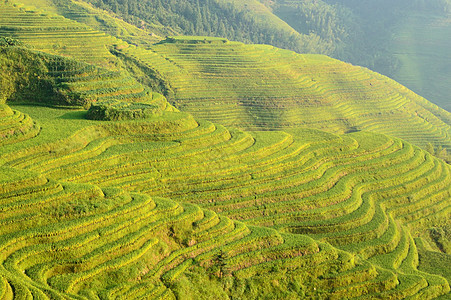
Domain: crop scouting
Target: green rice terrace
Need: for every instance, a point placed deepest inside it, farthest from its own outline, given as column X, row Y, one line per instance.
column 277, row 175
column 338, row 215
column 55, row 34
column 251, row 87
column 261, row 87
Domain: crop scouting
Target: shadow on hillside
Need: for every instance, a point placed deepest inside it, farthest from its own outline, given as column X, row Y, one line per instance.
column 352, row 129
column 74, row 115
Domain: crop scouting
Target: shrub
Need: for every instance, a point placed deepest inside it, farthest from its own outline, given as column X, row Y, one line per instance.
column 120, row 111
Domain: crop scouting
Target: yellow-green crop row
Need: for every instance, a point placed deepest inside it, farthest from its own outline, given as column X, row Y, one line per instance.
column 354, row 191
column 15, row 126
column 81, row 212
column 60, row 257
column 261, row 87
column 56, row 34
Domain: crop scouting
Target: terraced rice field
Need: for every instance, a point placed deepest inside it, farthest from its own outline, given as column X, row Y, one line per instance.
column 56, row 35
column 15, row 126
column 251, row 87
column 96, row 19
column 76, row 83
column 350, row 203
column 258, row 87
column 70, row 251
column 86, row 84
column 135, row 209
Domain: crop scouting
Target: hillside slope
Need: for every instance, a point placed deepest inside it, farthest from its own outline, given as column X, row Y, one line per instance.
column 425, row 59
column 92, row 243
column 405, row 40
column 246, row 86
column 329, row 187
column 262, row 87
column 55, row 80
column 64, row 71
column 111, row 193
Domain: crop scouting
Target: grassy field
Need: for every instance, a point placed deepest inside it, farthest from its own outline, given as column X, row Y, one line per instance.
column 75, row 78
column 252, row 87
column 258, row 87
column 97, row 19
column 281, row 176
column 269, row 201
column 414, row 50
column 55, row 34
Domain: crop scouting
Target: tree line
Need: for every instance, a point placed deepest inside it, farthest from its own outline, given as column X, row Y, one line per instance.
column 212, row 18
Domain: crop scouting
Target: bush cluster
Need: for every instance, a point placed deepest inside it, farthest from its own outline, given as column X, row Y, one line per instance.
column 121, row 111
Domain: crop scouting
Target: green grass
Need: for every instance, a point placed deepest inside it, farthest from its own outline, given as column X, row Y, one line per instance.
column 433, row 261
column 260, row 87
column 61, row 253
column 96, row 19
column 54, row 80
column 167, row 204
column 15, row 126
column 352, row 191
